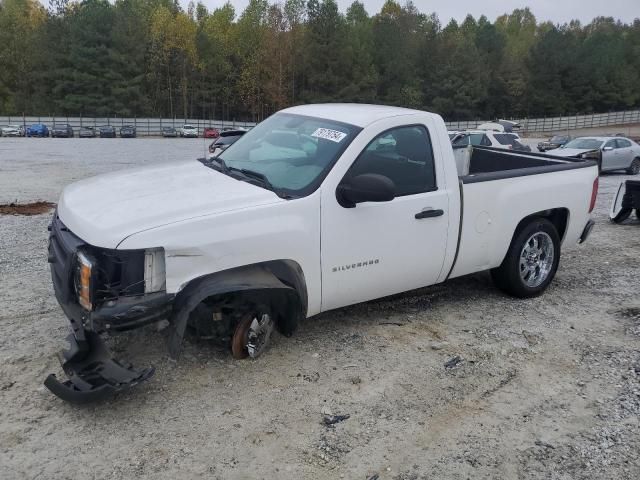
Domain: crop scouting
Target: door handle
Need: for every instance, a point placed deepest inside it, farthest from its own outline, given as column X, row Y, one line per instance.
column 429, row 214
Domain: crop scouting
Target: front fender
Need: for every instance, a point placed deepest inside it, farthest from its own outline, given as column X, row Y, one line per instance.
column 244, row 279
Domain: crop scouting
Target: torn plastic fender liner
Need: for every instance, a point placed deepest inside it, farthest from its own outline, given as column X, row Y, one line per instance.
column 252, row 278
column 93, row 374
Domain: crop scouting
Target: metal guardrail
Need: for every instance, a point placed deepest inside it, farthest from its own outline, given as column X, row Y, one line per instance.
column 144, row 126
column 153, row 126
column 562, row 124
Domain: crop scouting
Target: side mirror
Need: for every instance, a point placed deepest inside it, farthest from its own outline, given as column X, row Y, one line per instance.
column 607, row 149
column 368, row 187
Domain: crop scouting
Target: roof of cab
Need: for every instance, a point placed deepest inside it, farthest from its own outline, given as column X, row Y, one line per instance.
column 358, row 114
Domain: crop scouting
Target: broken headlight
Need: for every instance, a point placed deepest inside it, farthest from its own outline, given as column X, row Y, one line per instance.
column 82, row 280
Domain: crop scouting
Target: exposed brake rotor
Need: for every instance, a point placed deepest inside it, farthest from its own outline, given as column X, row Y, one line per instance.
column 251, row 336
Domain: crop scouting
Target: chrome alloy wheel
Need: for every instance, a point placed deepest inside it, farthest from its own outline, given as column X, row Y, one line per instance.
column 536, row 259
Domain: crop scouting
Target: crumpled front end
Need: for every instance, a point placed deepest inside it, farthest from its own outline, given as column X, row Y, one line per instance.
column 102, row 290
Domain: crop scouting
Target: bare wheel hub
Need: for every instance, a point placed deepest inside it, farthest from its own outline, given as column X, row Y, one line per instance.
column 252, row 335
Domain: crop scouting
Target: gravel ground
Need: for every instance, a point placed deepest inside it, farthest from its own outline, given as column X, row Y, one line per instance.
column 547, row 388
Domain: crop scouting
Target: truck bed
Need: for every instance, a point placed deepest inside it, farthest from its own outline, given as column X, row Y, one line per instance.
column 501, row 187
column 481, row 164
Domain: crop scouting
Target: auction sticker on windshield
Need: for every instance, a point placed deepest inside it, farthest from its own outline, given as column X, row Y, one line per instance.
column 328, row 134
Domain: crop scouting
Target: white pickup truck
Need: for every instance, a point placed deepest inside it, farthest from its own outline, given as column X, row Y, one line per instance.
column 315, row 208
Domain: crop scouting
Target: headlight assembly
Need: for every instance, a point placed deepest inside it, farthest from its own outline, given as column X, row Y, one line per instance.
column 83, row 274
column 154, row 270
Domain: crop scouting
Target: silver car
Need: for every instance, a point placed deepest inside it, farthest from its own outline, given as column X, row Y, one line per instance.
column 611, row 153
column 12, row 131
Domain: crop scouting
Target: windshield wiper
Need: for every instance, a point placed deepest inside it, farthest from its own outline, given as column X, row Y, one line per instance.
column 257, row 175
column 262, row 178
column 244, row 174
column 216, row 163
column 222, row 164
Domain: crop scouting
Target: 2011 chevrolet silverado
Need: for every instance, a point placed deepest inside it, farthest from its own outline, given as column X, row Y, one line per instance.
column 317, row 207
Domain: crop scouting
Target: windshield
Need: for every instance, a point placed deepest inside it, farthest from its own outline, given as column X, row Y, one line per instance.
column 293, row 152
column 584, row 144
column 558, row 139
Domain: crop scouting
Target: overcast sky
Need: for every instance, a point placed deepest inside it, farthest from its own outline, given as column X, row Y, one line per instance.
column 558, row 11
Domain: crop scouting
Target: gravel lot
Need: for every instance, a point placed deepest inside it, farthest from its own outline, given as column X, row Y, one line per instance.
column 547, row 388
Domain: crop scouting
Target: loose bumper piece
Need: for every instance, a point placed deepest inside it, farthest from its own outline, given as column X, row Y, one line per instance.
column 92, row 373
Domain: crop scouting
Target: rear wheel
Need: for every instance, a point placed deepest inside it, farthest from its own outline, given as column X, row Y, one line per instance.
column 634, row 169
column 531, row 261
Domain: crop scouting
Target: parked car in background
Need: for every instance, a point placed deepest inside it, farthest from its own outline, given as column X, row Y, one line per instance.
column 554, row 142
column 107, row 131
column 619, row 153
column 62, row 131
column 210, row 132
column 87, row 132
column 169, row 132
column 224, row 141
column 453, row 134
column 188, row 131
column 38, row 130
column 128, row 131
column 503, row 126
column 12, row 131
column 487, row 138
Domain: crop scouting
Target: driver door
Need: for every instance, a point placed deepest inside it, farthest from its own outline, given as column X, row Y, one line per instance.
column 609, row 155
column 624, row 153
column 379, row 249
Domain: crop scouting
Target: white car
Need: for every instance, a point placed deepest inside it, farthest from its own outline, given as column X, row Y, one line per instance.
column 611, row 153
column 316, row 208
column 188, row 131
column 12, row 131
column 488, row 138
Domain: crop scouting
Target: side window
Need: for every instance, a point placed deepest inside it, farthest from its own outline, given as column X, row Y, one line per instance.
column 404, row 155
column 622, row 143
column 504, row 139
column 485, row 141
column 611, row 144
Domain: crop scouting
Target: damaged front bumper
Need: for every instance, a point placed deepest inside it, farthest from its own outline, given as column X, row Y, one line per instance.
column 92, row 372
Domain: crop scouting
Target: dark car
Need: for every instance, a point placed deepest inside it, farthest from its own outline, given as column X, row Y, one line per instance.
column 107, row 131
column 128, row 131
column 210, row 132
column 224, row 141
column 62, row 131
column 169, row 132
column 87, row 132
column 38, row 130
column 554, row 142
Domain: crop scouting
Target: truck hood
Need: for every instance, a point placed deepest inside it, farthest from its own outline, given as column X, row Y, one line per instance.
column 106, row 209
column 569, row 152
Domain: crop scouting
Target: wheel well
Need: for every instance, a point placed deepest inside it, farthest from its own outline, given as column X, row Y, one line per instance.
column 280, row 281
column 559, row 217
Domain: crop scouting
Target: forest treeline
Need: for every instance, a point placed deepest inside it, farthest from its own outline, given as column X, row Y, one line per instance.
column 153, row 58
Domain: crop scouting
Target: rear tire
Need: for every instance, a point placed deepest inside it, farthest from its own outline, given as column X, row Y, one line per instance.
column 531, row 261
column 634, row 169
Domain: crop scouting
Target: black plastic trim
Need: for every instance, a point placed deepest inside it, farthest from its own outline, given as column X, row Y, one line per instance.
column 557, row 164
column 587, row 231
column 461, row 220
